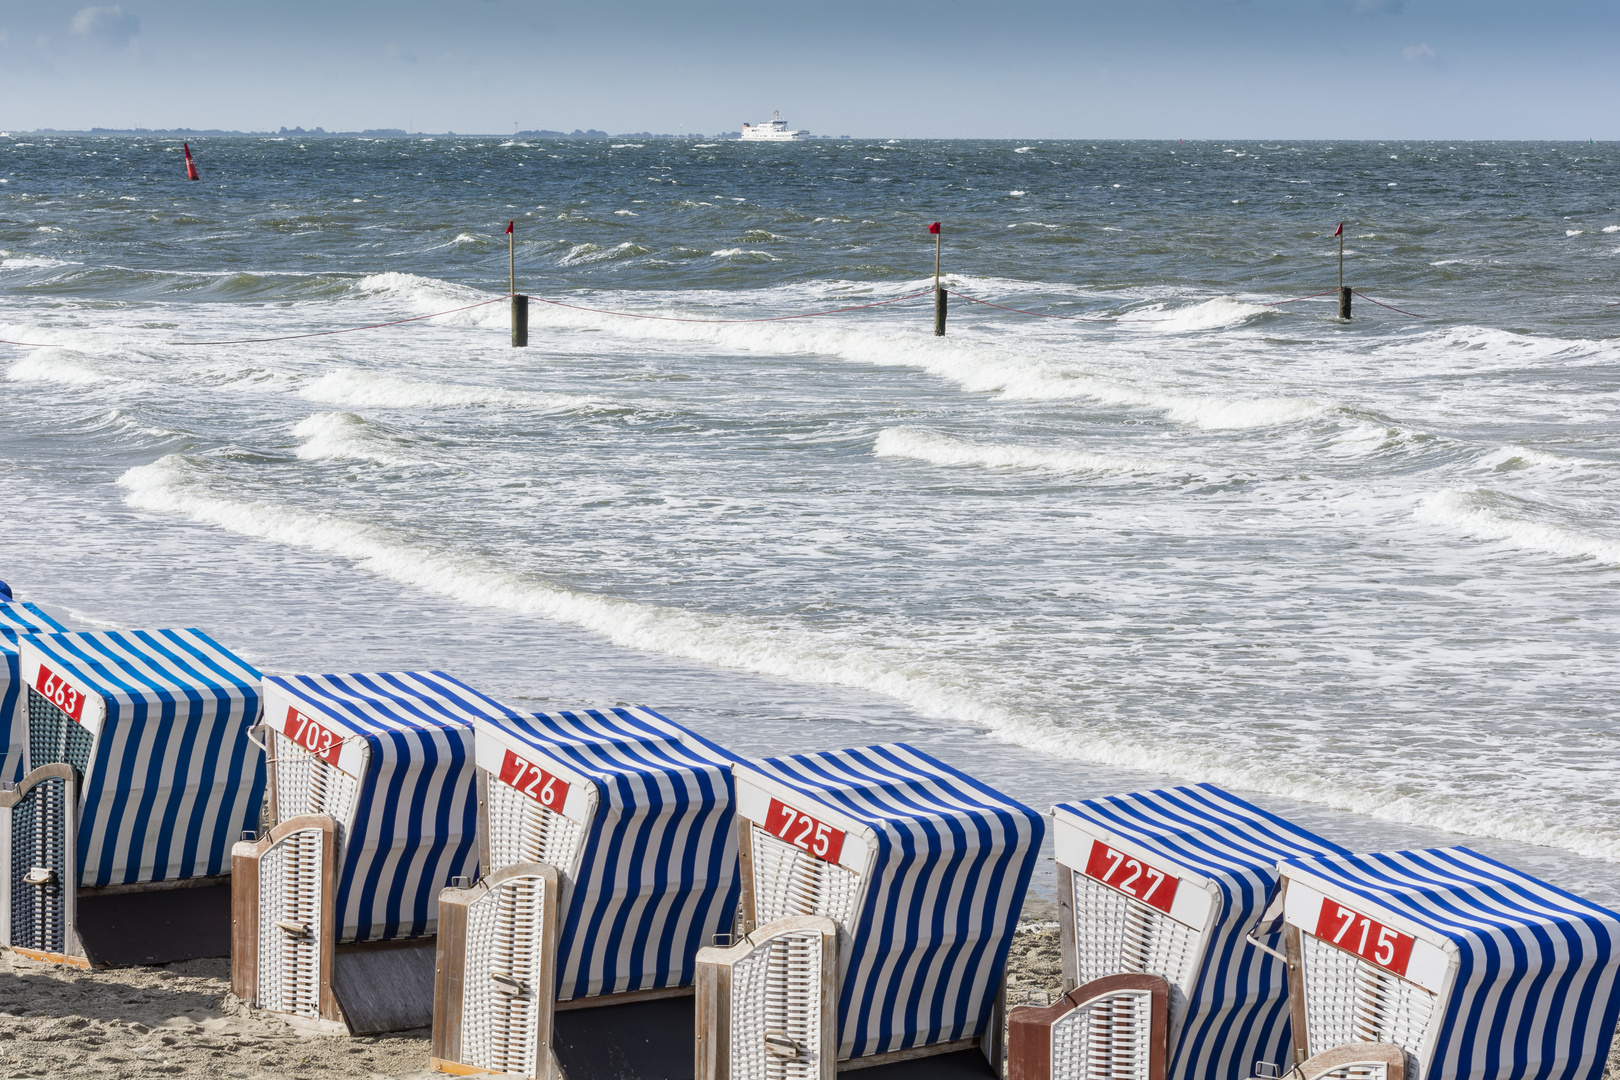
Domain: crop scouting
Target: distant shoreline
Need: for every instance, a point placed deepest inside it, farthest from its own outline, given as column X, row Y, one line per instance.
column 725, row 136
column 369, row 133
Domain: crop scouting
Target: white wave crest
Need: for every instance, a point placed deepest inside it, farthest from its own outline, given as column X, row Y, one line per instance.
column 1221, row 311
column 745, row 643
column 919, row 445
column 1510, row 458
column 589, row 253
column 357, row 389
column 342, row 436
column 426, row 294
column 1470, row 512
column 27, row 262
column 45, row 366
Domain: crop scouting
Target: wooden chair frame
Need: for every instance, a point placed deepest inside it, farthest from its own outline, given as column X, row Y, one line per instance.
column 1029, row 1028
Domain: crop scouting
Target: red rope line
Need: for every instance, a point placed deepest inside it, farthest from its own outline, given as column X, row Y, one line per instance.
column 772, row 318
column 346, row 330
column 1297, row 299
column 1370, row 300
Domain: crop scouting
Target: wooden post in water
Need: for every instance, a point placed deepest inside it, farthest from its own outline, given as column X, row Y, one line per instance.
column 1344, row 293
column 939, row 293
column 520, row 320
column 520, row 304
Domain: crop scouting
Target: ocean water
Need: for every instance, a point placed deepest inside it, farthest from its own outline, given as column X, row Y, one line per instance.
column 1364, row 573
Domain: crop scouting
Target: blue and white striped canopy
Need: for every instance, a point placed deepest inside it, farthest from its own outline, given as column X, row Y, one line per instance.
column 1524, row 972
column 1228, row 849
column 655, row 874
column 171, row 779
column 946, row 862
column 407, row 738
column 15, row 619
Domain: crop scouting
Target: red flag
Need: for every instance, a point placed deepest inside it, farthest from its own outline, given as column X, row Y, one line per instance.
column 509, row 225
column 934, row 228
column 1340, row 230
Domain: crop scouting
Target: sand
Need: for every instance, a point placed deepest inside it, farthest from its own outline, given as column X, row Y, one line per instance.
column 178, row 1020
column 181, row 1020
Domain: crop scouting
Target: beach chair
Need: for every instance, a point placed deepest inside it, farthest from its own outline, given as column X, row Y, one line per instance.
column 372, row 812
column 880, row 891
column 609, row 838
column 115, row 844
column 1163, row 886
column 1471, row 969
column 17, row 619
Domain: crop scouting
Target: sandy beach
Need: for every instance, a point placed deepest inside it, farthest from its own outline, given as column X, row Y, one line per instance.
column 181, row 1020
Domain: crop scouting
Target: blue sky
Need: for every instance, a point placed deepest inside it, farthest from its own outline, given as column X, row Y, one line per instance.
column 1332, row 69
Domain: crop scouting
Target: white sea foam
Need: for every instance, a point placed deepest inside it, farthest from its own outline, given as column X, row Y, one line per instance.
column 50, row 367
column 342, row 436
column 745, row 643
column 783, row 648
column 1430, row 806
column 1611, row 228
column 936, row 449
column 359, row 389
column 27, row 262
column 975, row 367
column 1473, row 513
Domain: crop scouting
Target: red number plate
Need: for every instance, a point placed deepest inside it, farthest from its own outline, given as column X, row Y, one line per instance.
column 322, row 742
column 59, row 693
column 805, row 832
column 547, row 790
column 1372, row 941
column 1133, row 877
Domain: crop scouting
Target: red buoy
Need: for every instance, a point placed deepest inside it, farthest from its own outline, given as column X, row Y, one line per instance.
column 191, row 166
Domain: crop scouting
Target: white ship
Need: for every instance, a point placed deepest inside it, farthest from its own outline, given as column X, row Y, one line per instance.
column 775, row 131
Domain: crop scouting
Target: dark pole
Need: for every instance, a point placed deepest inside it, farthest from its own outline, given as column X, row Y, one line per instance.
column 520, row 304
column 939, row 293
column 520, row 320
column 1344, row 293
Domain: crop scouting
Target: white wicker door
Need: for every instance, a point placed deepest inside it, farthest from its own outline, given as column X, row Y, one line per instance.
column 1106, row 1038
column 506, row 977
column 289, row 931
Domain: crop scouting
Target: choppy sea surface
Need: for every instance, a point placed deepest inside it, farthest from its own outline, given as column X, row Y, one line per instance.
column 1364, row 573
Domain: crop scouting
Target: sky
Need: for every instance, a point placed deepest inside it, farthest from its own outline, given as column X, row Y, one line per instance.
column 1195, row 69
